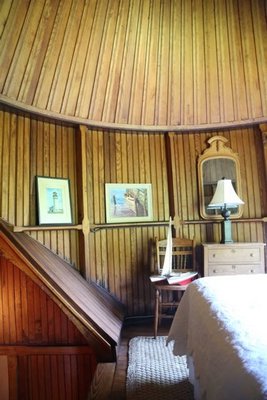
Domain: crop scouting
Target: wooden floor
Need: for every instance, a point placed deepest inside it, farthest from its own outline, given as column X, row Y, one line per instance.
column 130, row 330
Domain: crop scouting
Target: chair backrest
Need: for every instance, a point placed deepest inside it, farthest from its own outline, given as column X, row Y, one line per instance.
column 183, row 254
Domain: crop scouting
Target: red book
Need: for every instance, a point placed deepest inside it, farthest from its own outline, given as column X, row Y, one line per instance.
column 182, row 279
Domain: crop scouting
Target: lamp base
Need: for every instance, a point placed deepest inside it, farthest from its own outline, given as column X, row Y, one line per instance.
column 226, row 231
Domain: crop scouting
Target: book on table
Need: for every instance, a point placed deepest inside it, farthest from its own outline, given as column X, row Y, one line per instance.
column 175, row 278
column 183, row 278
column 158, row 278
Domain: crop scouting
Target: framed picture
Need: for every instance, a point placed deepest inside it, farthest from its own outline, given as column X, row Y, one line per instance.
column 53, row 198
column 128, row 202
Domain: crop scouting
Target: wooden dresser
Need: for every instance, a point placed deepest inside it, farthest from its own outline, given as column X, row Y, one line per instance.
column 233, row 258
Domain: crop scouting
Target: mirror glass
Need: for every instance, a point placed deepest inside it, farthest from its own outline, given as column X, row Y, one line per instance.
column 217, row 162
column 213, row 170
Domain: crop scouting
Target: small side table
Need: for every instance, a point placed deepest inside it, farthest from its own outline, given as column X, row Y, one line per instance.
column 160, row 305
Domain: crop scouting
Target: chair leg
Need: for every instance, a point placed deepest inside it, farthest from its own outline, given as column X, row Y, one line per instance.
column 156, row 321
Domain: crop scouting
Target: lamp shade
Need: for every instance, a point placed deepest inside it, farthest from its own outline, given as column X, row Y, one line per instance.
column 225, row 195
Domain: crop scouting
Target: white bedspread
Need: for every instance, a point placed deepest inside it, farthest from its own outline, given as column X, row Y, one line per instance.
column 222, row 323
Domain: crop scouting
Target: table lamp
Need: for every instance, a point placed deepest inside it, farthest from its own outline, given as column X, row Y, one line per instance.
column 224, row 198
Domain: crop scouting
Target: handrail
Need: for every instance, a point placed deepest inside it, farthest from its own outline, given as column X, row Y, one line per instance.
column 96, row 227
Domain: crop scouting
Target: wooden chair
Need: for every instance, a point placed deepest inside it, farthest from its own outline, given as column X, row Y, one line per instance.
column 183, row 260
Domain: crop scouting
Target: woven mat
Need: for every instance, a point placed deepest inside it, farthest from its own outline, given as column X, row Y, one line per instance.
column 155, row 373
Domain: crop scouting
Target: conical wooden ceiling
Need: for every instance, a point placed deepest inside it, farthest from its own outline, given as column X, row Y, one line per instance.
column 153, row 64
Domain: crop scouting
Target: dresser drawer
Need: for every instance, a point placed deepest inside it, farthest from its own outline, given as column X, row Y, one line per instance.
column 234, row 255
column 234, row 269
column 233, row 258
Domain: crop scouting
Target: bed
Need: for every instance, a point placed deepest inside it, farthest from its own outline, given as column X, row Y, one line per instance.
column 221, row 325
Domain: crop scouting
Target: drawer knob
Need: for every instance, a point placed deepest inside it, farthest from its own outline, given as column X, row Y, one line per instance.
column 214, row 271
column 233, row 266
column 251, row 254
column 213, row 255
column 252, row 271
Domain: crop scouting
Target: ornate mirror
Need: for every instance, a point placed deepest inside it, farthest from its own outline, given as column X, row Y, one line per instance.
column 216, row 162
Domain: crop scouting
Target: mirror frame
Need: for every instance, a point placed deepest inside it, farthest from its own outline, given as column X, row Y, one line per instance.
column 217, row 150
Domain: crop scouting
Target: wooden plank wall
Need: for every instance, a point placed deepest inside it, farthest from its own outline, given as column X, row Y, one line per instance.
column 30, row 317
column 31, row 147
column 119, row 258
column 149, row 63
column 247, row 143
column 43, row 348
column 60, row 372
column 263, row 129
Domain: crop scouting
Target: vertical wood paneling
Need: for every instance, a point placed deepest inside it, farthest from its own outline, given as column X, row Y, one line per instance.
column 237, row 62
column 21, row 55
column 137, row 62
column 61, row 376
column 79, row 56
column 211, row 63
column 28, row 148
column 175, row 64
column 118, row 51
column 65, row 55
column 43, row 96
column 118, row 157
column 224, row 74
column 118, row 257
column 4, row 388
column 199, row 65
column 187, row 73
column 65, row 382
column 5, row 163
column 263, row 130
column 149, row 92
column 259, row 21
column 244, row 142
column 249, row 55
column 93, row 48
column 12, row 20
column 139, row 67
column 126, row 74
column 12, row 167
column 5, row 7
column 104, row 59
column 162, row 88
column 38, row 51
column 29, row 315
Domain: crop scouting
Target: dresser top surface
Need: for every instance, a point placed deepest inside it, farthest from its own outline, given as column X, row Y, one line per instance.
column 234, row 244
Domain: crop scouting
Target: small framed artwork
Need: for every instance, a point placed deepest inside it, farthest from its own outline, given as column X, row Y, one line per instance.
column 128, row 202
column 53, row 199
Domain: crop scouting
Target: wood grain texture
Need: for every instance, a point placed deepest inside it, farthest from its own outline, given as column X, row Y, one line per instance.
column 135, row 63
column 118, row 258
column 102, row 382
column 39, row 344
column 30, row 316
column 64, row 372
column 31, row 147
column 100, row 323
